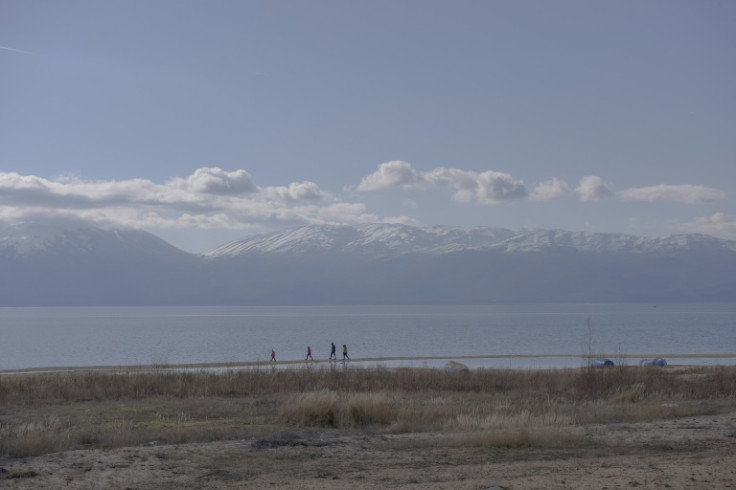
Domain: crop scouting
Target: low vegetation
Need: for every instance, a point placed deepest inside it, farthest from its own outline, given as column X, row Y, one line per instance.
column 44, row 413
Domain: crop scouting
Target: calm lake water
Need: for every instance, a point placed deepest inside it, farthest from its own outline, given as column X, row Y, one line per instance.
column 73, row 336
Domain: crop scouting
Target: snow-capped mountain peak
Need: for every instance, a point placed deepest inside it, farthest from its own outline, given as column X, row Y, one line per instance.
column 384, row 238
column 377, row 238
column 29, row 238
column 59, row 264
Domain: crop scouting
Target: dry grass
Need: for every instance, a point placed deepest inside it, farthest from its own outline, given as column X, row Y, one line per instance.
column 329, row 409
column 43, row 413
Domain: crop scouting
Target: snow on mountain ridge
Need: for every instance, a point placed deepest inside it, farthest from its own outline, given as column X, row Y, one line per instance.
column 288, row 241
column 31, row 238
column 384, row 238
column 373, row 238
column 365, row 264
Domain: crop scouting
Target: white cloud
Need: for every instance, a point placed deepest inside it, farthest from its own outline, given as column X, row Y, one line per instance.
column 297, row 191
column 209, row 180
column 592, row 188
column 454, row 177
column 12, row 179
column 208, row 198
column 550, row 189
column 718, row 224
column 687, row 194
column 496, row 187
column 390, row 174
column 213, row 198
column 487, row 187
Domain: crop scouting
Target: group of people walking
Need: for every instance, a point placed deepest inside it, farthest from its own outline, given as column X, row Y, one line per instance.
column 333, row 354
column 345, row 356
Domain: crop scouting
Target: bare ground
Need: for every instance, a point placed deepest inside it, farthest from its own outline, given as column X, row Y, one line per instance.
column 697, row 452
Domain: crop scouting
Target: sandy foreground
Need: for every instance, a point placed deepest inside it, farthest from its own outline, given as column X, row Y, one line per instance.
column 686, row 453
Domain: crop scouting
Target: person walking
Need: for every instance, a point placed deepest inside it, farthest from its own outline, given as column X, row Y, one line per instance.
column 273, row 355
column 345, row 352
column 309, row 353
column 332, row 351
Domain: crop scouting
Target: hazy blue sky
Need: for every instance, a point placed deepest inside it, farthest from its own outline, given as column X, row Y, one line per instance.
column 206, row 121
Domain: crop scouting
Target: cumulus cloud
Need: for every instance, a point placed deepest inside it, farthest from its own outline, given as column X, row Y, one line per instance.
column 297, row 191
column 592, row 188
column 487, row 187
column 686, row 194
column 208, row 198
column 390, row 174
column 496, row 187
column 550, row 189
column 209, row 180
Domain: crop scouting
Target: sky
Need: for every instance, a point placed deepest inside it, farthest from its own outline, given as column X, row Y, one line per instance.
column 207, row 121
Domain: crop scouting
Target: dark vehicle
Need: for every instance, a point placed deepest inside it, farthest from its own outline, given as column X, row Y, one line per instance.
column 659, row 362
column 602, row 363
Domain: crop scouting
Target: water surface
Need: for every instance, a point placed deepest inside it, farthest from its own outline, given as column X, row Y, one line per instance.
column 88, row 336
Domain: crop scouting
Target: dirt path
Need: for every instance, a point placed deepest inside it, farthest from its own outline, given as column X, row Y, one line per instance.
column 687, row 453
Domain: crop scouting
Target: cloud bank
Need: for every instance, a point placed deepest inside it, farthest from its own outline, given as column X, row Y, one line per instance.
column 208, row 198
column 487, row 187
column 212, row 198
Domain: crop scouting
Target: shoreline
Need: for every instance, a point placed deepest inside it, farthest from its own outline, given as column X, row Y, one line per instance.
column 369, row 361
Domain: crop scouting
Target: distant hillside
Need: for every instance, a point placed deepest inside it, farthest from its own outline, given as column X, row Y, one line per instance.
column 44, row 264
column 391, row 263
column 366, row 264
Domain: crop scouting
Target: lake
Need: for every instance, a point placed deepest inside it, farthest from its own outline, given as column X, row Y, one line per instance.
column 90, row 336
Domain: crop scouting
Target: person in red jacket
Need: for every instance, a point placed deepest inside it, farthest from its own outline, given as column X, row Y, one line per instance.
column 309, row 353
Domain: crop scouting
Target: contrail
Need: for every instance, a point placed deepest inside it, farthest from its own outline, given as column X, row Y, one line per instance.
column 6, row 48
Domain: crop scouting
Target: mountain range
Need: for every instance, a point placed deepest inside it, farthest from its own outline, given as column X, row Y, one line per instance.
column 74, row 264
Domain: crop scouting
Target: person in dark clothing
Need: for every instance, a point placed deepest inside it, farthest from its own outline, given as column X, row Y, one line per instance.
column 273, row 355
column 309, row 353
column 332, row 351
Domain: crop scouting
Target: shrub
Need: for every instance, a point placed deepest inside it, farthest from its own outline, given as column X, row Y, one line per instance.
column 325, row 408
column 312, row 408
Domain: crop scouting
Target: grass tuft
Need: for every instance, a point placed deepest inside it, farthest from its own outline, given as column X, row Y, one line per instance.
column 327, row 409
